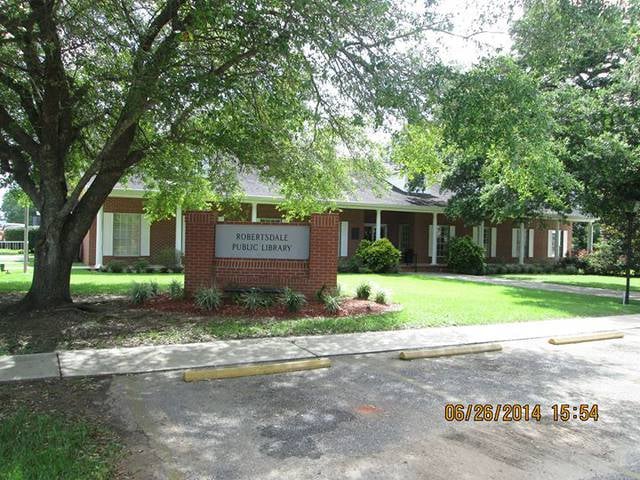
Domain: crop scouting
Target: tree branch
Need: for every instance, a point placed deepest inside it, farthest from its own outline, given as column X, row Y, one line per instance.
column 18, row 134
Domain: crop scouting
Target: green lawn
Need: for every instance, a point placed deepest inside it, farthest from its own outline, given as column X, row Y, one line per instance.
column 87, row 282
column 43, row 446
column 431, row 301
column 598, row 281
column 426, row 301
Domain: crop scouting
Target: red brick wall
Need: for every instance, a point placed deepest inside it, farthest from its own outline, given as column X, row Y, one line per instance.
column 202, row 269
column 162, row 233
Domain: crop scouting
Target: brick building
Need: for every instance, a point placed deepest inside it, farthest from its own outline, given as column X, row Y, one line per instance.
column 415, row 223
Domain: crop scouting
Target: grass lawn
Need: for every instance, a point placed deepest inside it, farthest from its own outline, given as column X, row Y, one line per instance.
column 87, row 282
column 598, row 281
column 432, row 301
column 38, row 445
column 426, row 300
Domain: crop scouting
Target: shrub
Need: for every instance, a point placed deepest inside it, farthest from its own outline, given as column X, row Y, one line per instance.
column 331, row 302
column 176, row 291
column 177, row 269
column 363, row 292
column 168, row 258
column 578, row 261
column 116, row 266
column 379, row 256
column 382, row 297
column 253, row 299
column 150, row 269
column 208, row 298
column 154, row 287
column 571, row 270
column 605, row 260
column 140, row 266
column 294, row 301
column 140, row 292
column 14, row 234
column 464, row 256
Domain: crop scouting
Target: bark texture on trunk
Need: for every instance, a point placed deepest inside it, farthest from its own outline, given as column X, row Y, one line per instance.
column 54, row 255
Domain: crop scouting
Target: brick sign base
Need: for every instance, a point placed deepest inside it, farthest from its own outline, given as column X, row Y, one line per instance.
column 203, row 269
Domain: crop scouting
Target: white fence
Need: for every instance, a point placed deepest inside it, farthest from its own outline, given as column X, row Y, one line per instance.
column 11, row 245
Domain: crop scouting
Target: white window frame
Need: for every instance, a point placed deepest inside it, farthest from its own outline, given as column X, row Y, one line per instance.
column 133, row 238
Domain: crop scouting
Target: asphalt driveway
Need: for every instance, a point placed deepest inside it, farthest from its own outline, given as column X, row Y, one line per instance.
column 375, row 417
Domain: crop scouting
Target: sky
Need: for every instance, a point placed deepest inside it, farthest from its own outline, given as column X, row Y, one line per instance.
column 465, row 15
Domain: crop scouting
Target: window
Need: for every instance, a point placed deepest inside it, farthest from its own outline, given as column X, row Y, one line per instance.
column 404, row 237
column 443, row 235
column 370, row 231
column 516, row 232
column 487, row 241
column 553, row 243
column 126, row 234
column 355, row 233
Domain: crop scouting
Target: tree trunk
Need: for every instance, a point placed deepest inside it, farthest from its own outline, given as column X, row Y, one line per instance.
column 54, row 255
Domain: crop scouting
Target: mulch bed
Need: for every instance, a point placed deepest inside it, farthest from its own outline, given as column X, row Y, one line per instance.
column 348, row 308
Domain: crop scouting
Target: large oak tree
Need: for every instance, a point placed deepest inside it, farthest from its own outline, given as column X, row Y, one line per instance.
column 184, row 93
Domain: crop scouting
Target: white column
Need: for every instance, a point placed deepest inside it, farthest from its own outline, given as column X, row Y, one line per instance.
column 481, row 236
column 254, row 212
column 378, row 224
column 99, row 237
column 521, row 251
column 590, row 237
column 434, row 239
column 558, row 240
column 179, row 246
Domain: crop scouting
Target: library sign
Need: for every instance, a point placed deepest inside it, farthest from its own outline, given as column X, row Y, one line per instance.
column 260, row 241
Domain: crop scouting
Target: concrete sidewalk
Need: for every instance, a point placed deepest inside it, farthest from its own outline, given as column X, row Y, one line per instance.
column 95, row 362
column 551, row 287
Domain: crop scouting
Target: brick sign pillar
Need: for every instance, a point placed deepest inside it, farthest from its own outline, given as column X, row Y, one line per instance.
column 203, row 269
column 200, row 231
column 323, row 250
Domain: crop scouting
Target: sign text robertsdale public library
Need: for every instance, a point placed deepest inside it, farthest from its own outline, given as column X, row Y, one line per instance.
column 262, row 241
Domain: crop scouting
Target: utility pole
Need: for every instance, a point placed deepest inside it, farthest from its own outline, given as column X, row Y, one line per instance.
column 25, row 244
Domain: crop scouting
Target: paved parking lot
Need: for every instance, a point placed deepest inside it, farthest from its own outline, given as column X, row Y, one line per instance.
column 376, row 417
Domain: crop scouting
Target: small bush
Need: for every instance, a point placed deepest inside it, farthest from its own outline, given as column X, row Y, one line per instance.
column 176, row 290
column 116, row 266
column 154, row 287
column 331, row 303
column 208, row 298
column 139, row 266
column 168, row 258
column 363, row 292
column 571, row 270
column 140, row 292
column 379, row 256
column 464, row 256
column 382, row 297
column 150, row 269
column 177, row 269
column 294, row 301
column 253, row 299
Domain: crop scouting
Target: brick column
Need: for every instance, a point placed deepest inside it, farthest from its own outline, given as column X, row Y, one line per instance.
column 323, row 250
column 200, row 230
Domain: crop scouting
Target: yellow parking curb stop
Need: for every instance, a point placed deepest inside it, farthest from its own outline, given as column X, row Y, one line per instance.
column 585, row 338
column 256, row 369
column 448, row 351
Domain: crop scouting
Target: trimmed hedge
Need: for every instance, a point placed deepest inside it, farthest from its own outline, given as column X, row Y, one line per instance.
column 379, row 256
column 465, row 256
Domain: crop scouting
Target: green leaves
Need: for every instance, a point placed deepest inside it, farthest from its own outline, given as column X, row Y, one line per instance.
column 503, row 162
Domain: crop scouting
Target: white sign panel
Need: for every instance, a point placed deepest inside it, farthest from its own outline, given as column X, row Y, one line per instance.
column 285, row 242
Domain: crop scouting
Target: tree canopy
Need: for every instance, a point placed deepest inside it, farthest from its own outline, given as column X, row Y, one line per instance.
column 185, row 93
